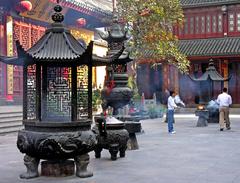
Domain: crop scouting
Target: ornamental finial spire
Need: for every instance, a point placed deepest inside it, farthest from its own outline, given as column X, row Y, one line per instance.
column 58, row 16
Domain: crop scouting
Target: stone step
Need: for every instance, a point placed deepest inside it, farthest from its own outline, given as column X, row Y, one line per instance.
column 10, row 129
column 10, row 109
column 2, row 112
column 10, row 119
column 6, row 114
column 8, row 124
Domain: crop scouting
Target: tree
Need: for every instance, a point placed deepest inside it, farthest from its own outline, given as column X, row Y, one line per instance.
column 151, row 24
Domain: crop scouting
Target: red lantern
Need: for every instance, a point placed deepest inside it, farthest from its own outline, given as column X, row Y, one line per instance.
column 81, row 22
column 24, row 6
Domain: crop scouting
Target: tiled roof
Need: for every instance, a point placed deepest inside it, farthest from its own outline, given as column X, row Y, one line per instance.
column 228, row 46
column 56, row 44
column 197, row 3
column 101, row 7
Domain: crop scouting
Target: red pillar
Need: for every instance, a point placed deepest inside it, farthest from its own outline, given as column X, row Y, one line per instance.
column 225, row 20
column 3, row 52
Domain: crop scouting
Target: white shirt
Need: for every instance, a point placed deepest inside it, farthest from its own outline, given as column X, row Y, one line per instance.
column 171, row 103
column 224, row 100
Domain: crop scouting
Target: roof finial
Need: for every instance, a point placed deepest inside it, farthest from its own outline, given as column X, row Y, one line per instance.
column 211, row 62
column 57, row 16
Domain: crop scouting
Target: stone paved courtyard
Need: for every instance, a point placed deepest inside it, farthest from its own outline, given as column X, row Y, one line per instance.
column 192, row 155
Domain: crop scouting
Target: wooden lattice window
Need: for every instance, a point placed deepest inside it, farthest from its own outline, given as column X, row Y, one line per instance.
column 197, row 24
column 186, row 26
column 231, row 22
column 220, row 23
column 238, row 22
column 203, row 24
column 208, row 25
column 191, row 25
column 214, row 24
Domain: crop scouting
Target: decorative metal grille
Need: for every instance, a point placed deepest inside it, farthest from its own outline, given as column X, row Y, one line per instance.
column 82, row 92
column 31, row 92
column 58, row 94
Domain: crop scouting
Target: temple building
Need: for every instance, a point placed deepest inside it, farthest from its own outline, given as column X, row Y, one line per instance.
column 26, row 21
column 211, row 31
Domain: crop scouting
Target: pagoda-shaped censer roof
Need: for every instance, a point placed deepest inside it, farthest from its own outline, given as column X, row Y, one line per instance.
column 115, row 37
column 56, row 45
column 115, row 32
column 211, row 73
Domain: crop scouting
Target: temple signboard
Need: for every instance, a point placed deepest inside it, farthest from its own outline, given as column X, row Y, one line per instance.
column 9, row 53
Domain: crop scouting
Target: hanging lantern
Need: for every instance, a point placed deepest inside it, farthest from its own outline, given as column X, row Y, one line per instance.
column 81, row 22
column 24, row 6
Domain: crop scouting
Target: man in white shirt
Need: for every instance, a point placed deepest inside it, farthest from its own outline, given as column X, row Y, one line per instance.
column 170, row 112
column 224, row 100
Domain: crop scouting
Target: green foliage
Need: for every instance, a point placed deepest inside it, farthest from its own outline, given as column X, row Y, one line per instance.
column 151, row 24
column 133, row 85
column 96, row 98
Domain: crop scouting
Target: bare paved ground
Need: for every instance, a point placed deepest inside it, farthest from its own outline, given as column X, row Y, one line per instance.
column 192, row 155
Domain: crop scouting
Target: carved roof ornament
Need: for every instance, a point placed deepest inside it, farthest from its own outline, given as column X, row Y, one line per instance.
column 116, row 32
column 115, row 36
column 58, row 16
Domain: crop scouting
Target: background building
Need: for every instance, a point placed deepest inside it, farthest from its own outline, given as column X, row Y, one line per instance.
column 27, row 23
column 211, row 30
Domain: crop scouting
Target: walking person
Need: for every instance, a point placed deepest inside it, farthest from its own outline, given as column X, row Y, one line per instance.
column 170, row 112
column 224, row 100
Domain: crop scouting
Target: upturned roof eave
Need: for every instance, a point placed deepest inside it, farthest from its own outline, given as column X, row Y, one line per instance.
column 107, row 60
column 208, row 4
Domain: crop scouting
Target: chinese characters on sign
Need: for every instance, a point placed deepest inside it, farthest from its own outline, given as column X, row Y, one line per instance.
column 9, row 53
